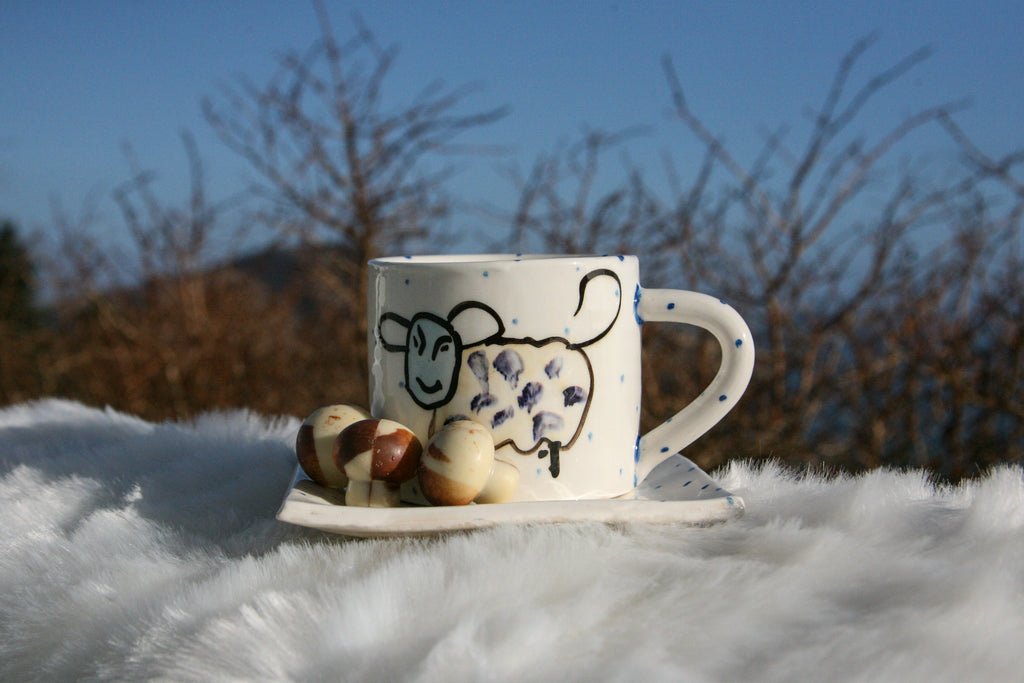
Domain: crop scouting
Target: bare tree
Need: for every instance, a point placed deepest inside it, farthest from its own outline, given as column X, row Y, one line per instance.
column 561, row 207
column 839, row 292
column 341, row 167
column 887, row 301
column 157, row 325
column 875, row 320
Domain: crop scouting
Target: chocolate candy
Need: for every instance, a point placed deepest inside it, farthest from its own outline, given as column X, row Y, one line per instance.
column 314, row 444
column 459, row 468
column 377, row 456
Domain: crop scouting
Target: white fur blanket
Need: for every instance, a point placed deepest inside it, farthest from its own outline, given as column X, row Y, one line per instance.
column 139, row 551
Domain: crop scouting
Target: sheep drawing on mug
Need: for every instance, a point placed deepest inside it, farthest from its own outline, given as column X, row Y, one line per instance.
column 532, row 394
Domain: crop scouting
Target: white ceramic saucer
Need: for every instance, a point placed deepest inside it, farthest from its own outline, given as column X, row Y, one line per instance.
column 676, row 492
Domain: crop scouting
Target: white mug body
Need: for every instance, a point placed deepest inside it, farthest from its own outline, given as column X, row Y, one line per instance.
column 544, row 352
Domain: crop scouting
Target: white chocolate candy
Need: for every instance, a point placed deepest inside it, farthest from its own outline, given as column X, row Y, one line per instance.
column 372, row 494
column 458, row 467
column 501, row 484
column 457, row 463
column 314, row 444
column 377, row 456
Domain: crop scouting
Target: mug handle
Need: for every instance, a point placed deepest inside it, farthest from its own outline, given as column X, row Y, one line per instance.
column 733, row 335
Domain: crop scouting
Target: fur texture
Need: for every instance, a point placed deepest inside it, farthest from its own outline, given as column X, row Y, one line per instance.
column 139, row 551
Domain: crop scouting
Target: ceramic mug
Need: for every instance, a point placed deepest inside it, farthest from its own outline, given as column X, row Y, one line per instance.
column 544, row 351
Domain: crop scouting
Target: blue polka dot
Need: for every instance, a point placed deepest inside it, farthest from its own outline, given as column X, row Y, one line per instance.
column 515, row 321
column 739, row 343
column 567, row 331
column 401, row 385
column 722, row 397
column 671, row 306
column 486, row 274
column 622, row 378
column 704, row 486
column 406, row 282
column 622, row 258
column 590, row 436
column 538, row 471
column 687, row 483
column 664, row 449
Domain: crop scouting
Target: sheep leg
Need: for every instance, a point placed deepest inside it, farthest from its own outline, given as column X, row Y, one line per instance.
column 554, row 467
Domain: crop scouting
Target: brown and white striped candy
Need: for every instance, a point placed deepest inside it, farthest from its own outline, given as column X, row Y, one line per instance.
column 458, row 463
column 314, row 444
column 377, row 455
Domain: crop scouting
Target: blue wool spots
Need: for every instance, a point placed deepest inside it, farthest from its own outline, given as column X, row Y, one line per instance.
column 739, row 343
column 670, row 306
column 664, row 449
column 486, row 274
column 722, row 397
column 406, row 282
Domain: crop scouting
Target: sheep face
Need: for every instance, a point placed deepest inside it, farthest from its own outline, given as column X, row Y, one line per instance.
column 433, row 346
column 433, row 351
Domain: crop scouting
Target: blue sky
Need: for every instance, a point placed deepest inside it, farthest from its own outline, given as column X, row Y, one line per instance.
column 81, row 79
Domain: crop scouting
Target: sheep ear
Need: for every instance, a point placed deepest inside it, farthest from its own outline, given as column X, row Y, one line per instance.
column 393, row 332
column 475, row 322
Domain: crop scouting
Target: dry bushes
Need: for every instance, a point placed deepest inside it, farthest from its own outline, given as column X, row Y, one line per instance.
column 887, row 303
column 159, row 328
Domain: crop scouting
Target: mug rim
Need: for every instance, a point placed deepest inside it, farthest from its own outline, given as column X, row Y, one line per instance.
column 460, row 259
